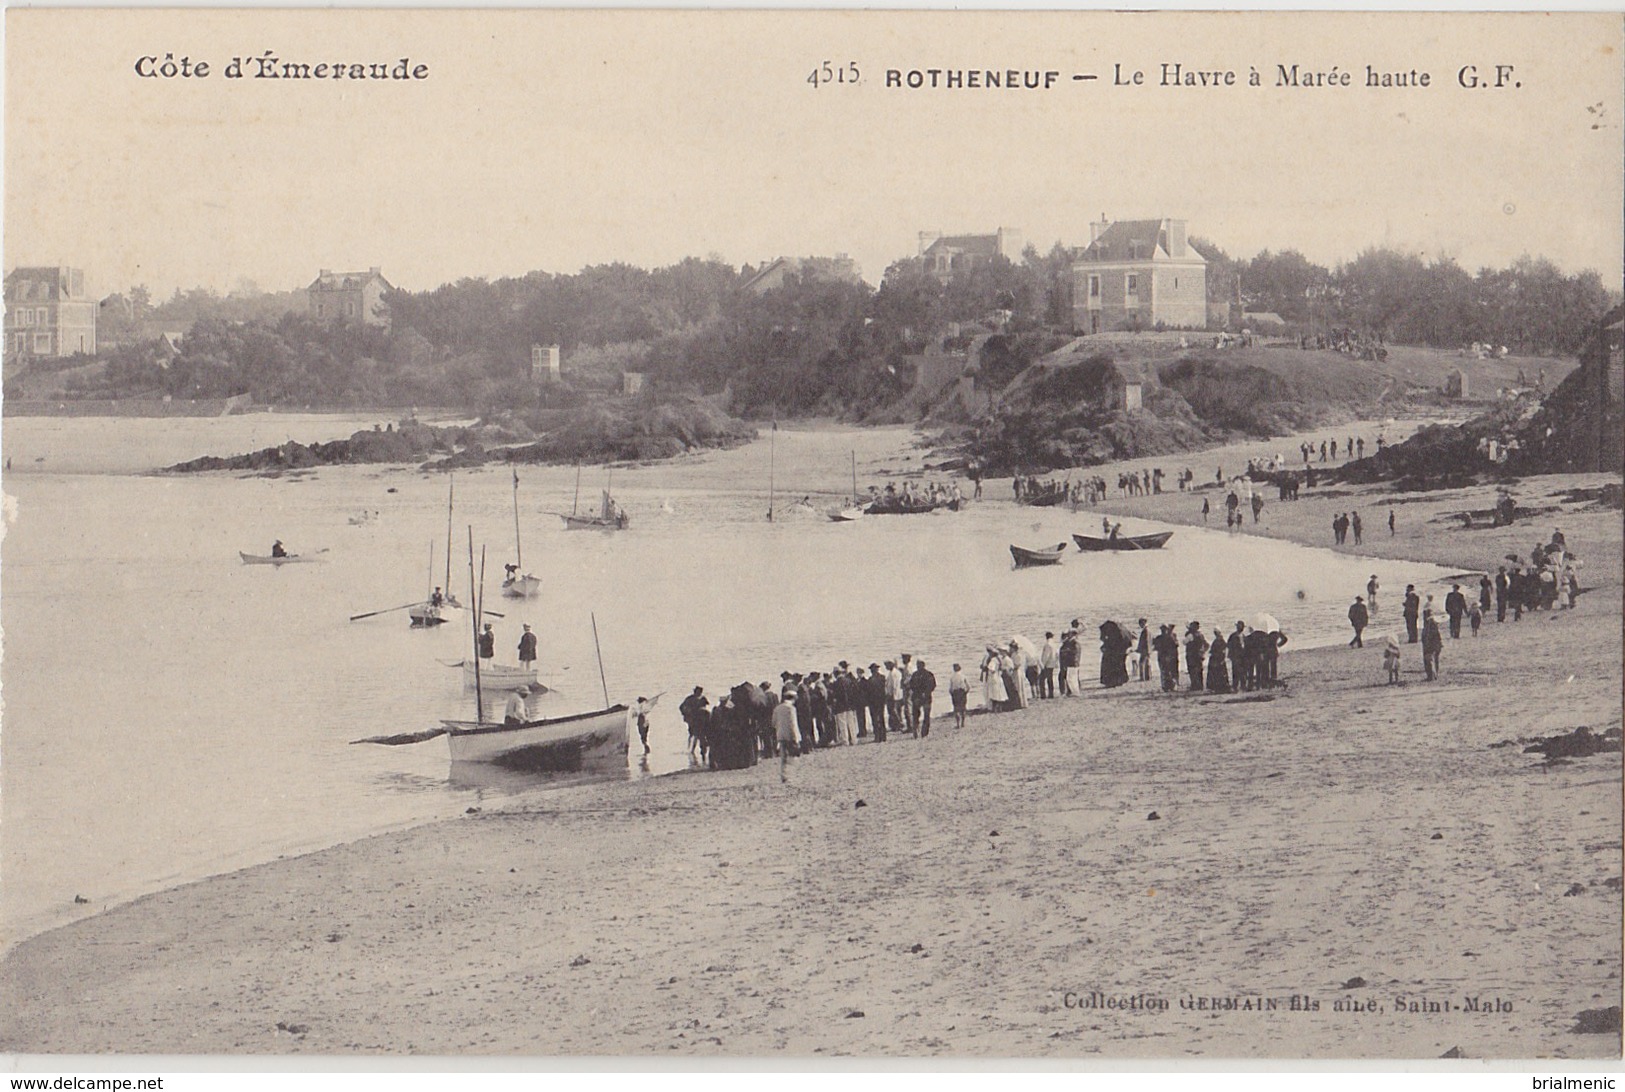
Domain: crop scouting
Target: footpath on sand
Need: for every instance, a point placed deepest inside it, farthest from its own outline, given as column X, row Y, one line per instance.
column 1127, row 874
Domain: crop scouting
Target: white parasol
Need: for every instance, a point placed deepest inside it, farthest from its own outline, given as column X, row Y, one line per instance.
column 1025, row 645
column 1264, row 622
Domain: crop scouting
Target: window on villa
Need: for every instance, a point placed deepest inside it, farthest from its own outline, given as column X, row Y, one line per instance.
column 1094, row 288
column 1132, row 284
column 42, row 343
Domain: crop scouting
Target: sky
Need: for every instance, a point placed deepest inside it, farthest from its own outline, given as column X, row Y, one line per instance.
column 551, row 140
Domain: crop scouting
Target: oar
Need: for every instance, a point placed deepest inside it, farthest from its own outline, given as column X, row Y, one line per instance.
column 375, row 613
column 404, row 737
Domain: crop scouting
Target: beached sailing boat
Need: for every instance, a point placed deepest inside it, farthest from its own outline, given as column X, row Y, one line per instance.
column 519, row 584
column 567, row 743
column 574, row 742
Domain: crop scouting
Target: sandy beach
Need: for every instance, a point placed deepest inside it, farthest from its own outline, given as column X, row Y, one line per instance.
column 1338, row 869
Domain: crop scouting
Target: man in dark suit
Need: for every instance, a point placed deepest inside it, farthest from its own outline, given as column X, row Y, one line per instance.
column 1413, row 609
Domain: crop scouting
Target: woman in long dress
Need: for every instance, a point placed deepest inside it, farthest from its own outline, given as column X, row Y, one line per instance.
column 993, row 692
column 1012, row 681
column 1218, row 677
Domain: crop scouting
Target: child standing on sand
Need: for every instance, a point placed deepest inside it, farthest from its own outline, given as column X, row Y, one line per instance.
column 1390, row 659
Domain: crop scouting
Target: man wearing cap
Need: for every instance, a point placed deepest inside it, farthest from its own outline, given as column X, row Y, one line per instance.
column 843, row 698
column 785, row 730
column 894, row 697
column 1195, row 653
column 1049, row 659
column 1142, row 654
column 695, row 713
column 860, row 701
column 922, row 684
column 1371, row 593
column 488, row 643
column 514, row 713
column 1069, row 656
column 1167, row 647
column 1413, row 607
column 527, row 649
column 911, row 715
column 1432, row 645
column 1359, row 618
column 875, row 693
column 1455, row 605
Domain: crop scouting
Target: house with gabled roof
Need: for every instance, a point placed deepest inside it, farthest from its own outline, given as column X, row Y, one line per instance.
column 48, row 313
column 1139, row 274
column 946, row 256
column 772, row 274
column 350, row 297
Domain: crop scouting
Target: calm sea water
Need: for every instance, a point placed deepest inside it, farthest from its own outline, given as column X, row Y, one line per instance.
column 170, row 713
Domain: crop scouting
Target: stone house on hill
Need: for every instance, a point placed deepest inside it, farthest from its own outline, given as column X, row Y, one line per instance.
column 350, row 297
column 1138, row 274
column 946, row 256
column 48, row 313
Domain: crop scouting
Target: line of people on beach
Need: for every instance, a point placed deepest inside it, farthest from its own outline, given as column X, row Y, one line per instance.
column 824, row 709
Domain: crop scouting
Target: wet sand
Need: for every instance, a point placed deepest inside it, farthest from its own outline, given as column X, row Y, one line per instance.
column 1345, row 842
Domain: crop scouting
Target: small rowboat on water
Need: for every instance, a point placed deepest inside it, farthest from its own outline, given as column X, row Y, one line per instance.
column 1050, row 555
column 268, row 559
column 498, row 676
column 847, row 515
column 555, row 743
column 1090, row 544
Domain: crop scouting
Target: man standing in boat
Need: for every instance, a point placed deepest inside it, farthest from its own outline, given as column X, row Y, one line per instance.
column 488, row 643
column 277, row 549
column 527, row 649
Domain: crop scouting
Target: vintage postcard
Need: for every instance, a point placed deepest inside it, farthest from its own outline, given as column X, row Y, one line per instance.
column 809, row 534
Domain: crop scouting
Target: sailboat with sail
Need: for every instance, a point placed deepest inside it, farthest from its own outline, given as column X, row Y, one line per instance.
column 519, row 584
column 856, row 509
column 610, row 517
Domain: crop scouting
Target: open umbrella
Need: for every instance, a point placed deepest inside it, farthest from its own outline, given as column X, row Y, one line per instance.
column 1025, row 645
column 1264, row 622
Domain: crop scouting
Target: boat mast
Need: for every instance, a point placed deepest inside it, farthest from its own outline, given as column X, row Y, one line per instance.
column 575, row 504
column 451, row 493
column 430, row 592
column 519, row 552
column 772, row 441
column 854, row 475
column 474, row 601
column 599, row 650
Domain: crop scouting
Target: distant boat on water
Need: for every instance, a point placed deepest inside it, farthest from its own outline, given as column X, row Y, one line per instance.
column 1090, row 544
column 1025, row 558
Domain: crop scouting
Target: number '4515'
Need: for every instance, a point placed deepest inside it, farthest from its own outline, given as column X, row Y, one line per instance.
column 828, row 73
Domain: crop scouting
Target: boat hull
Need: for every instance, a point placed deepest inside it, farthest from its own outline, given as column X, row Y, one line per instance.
column 563, row 744
column 593, row 523
column 897, row 508
column 1090, row 544
column 1044, row 500
column 847, row 515
column 1026, row 559
column 266, row 559
column 498, row 676
column 521, row 587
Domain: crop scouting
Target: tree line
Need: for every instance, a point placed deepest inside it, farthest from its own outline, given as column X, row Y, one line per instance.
column 816, row 343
